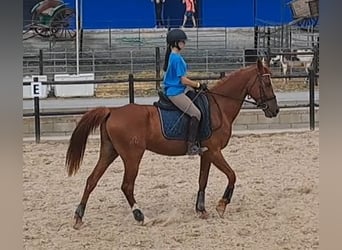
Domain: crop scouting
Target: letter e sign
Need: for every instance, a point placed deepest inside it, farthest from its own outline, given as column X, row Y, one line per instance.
column 36, row 89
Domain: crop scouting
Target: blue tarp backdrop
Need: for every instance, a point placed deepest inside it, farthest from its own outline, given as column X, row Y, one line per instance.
column 103, row 14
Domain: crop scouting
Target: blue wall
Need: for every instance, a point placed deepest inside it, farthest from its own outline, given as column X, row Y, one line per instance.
column 212, row 13
column 235, row 13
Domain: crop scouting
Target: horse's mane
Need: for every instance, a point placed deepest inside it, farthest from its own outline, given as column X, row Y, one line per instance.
column 228, row 77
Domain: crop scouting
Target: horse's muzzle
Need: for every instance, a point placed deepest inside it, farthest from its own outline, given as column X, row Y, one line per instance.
column 270, row 108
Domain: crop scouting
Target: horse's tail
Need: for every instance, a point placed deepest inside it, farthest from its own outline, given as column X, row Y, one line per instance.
column 77, row 145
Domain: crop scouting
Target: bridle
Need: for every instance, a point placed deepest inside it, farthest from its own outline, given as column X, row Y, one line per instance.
column 262, row 102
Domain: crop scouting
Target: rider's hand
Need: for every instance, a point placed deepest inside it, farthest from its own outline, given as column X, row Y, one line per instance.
column 202, row 86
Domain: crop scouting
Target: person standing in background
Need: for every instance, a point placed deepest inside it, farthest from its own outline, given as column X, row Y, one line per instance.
column 158, row 7
column 189, row 12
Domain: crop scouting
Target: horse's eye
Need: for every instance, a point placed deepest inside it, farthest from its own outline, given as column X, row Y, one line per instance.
column 268, row 83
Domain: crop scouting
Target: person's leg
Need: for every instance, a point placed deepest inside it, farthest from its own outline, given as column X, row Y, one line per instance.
column 194, row 20
column 184, row 20
column 159, row 7
column 187, row 106
column 162, row 22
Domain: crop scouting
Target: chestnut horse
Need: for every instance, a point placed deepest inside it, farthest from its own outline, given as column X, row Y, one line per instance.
column 129, row 130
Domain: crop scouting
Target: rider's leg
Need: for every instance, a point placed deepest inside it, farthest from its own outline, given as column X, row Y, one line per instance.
column 193, row 145
column 186, row 105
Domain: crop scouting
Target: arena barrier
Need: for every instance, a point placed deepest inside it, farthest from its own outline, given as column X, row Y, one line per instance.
column 57, row 126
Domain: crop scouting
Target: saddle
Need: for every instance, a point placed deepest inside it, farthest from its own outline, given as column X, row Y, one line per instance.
column 175, row 123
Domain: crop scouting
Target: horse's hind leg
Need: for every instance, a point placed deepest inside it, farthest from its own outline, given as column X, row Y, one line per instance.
column 107, row 156
column 222, row 165
column 131, row 162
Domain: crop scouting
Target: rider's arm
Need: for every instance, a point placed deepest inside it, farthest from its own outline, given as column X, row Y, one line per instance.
column 188, row 82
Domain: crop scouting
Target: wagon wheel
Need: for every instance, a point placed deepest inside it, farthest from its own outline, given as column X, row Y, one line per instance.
column 40, row 28
column 304, row 23
column 63, row 24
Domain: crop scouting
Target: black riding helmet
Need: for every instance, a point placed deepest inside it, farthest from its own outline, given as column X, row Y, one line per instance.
column 174, row 36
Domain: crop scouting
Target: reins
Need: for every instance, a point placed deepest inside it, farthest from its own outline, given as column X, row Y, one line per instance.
column 234, row 98
column 260, row 104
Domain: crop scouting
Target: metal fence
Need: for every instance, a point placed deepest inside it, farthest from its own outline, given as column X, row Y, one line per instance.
column 199, row 38
column 131, row 82
column 118, row 52
column 106, row 64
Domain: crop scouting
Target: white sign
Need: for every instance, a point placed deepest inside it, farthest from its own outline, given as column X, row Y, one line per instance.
column 27, row 89
column 36, row 89
column 74, row 90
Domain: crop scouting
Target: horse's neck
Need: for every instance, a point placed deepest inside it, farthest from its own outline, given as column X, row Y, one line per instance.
column 232, row 93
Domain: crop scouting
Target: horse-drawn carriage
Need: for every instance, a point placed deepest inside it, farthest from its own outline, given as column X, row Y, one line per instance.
column 52, row 18
column 305, row 13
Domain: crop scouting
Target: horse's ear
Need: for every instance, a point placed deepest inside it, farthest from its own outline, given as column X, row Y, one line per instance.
column 260, row 65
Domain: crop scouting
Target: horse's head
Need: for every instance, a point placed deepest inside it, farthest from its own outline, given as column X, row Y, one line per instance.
column 261, row 90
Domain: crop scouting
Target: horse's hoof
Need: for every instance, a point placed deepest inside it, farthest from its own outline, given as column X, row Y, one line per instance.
column 138, row 215
column 220, row 211
column 220, row 208
column 203, row 214
column 78, row 224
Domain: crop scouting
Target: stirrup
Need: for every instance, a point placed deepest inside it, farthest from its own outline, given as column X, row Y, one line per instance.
column 196, row 150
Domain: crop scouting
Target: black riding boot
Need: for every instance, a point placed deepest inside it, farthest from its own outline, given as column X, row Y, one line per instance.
column 193, row 147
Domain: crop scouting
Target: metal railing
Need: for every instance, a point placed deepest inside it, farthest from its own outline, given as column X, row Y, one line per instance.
column 118, row 64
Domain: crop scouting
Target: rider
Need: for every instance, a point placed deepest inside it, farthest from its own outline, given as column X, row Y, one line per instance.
column 176, row 84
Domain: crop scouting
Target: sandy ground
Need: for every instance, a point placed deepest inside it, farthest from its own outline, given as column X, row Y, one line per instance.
column 275, row 204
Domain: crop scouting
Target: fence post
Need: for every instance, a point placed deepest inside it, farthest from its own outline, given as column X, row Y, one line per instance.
column 36, row 115
column 158, row 60
column 131, row 57
column 312, row 97
column 131, row 88
column 256, row 36
column 93, row 59
column 36, row 99
column 225, row 38
column 206, row 61
column 41, row 66
column 110, row 39
column 316, row 62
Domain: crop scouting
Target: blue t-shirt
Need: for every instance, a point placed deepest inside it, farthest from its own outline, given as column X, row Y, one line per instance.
column 172, row 77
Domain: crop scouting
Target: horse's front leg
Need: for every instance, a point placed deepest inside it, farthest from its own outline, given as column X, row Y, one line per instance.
column 306, row 80
column 222, row 165
column 285, row 70
column 203, row 180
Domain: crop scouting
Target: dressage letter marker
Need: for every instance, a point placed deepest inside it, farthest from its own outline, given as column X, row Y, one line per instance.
column 36, row 89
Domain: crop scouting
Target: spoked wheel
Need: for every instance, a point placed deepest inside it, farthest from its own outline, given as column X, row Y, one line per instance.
column 40, row 28
column 63, row 24
column 306, row 23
